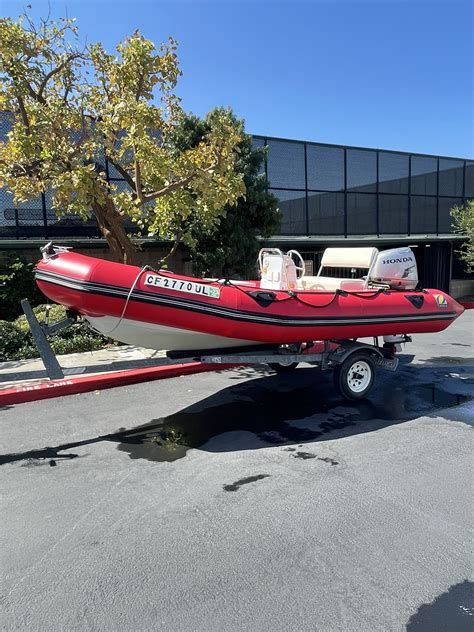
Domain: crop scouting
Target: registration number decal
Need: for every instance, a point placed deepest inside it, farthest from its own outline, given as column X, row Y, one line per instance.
column 189, row 287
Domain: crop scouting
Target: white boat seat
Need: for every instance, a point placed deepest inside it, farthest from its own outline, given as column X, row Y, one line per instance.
column 348, row 257
column 360, row 258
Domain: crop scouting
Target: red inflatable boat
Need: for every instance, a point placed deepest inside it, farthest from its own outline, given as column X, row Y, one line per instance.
column 162, row 310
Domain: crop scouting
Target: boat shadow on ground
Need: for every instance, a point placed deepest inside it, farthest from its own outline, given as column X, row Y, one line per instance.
column 286, row 410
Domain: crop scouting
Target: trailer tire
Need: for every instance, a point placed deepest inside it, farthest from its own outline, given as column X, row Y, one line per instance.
column 355, row 376
column 283, row 368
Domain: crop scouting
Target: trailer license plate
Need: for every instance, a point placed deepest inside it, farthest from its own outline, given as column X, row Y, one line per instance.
column 189, row 287
column 390, row 364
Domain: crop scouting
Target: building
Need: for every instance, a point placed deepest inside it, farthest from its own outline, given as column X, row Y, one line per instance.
column 329, row 194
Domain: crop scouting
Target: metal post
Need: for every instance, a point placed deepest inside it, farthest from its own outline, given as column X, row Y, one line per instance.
column 464, row 182
column 45, row 216
column 306, row 188
column 51, row 364
column 345, row 192
column 409, row 197
column 377, row 196
column 17, row 224
column 437, row 197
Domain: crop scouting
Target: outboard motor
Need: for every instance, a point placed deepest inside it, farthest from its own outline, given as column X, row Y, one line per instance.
column 395, row 268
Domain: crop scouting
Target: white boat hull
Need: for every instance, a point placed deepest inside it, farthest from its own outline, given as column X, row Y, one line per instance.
column 160, row 337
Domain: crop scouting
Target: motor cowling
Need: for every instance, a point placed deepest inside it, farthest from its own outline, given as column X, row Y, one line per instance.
column 396, row 268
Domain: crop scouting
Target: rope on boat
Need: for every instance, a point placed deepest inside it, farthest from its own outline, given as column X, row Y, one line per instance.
column 295, row 295
column 142, row 270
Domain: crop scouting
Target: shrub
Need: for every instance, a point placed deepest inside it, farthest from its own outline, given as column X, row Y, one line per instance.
column 17, row 281
column 463, row 223
column 11, row 340
column 16, row 341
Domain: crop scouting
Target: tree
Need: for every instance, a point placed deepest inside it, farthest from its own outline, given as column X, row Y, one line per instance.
column 73, row 107
column 463, row 217
column 231, row 246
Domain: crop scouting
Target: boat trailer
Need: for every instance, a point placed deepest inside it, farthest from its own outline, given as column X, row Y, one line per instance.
column 354, row 363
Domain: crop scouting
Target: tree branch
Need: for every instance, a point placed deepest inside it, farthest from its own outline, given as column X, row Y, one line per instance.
column 84, row 136
column 140, row 86
column 168, row 188
column 24, row 115
column 34, row 95
column 124, row 173
column 177, row 239
column 54, row 71
column 147, row 197
column 138, row 180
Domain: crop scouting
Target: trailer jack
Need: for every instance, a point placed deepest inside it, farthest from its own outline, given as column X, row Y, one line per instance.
column 40, row 333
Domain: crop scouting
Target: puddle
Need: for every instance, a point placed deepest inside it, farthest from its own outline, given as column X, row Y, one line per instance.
column 304, row 455
column 234, row 487
column 309, row 455
column 276, row 415
column 449, row 360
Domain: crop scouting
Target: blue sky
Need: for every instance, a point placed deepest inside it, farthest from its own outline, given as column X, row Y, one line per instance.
column 391, row 74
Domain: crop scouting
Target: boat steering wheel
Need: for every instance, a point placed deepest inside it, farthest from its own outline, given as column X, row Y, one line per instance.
column 299, row 269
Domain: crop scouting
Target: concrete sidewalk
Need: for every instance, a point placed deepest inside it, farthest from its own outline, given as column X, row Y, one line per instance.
column 111, row 359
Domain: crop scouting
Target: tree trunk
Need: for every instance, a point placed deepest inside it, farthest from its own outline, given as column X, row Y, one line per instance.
column 111, row 226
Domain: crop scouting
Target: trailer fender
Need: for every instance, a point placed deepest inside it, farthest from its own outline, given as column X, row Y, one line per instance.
column 381, row 358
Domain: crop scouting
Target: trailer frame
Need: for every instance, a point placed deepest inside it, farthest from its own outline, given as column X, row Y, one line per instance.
column 352, row 361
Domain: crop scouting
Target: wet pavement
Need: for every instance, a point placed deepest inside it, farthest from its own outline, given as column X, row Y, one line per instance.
column 243, row 500
column 297, row 408
column 265, row 408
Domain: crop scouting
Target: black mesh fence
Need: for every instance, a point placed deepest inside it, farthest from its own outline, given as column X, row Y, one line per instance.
column 351, row 191
column 322, row 190
column 423, row 215
column 326, row 213
column 361, row 213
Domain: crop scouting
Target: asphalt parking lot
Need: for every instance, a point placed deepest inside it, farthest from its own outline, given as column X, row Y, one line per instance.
column 242, row 500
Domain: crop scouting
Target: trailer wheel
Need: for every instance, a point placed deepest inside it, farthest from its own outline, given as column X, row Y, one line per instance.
column 355, row 376
column 283, row 368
